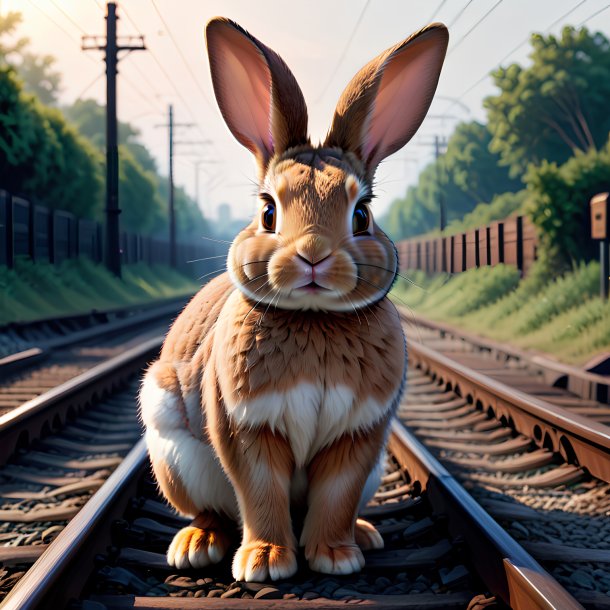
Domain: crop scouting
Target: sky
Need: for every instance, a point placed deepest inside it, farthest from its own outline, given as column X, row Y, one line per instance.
column 325, row 42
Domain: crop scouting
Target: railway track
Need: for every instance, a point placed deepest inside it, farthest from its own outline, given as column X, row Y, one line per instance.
column 112, row 554
column 23, row 344
column 70, row 347
column 547, row 490
column 442, row 551
column 584, row 392
column 540, row 468
column 57, row 450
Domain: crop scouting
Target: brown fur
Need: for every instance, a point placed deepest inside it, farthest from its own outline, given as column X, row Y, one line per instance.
column 336, row 477
column 296, row 355
column 260, row 465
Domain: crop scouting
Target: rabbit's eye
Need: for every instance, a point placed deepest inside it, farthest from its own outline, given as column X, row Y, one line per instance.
column 360, row 219
column 268, row 216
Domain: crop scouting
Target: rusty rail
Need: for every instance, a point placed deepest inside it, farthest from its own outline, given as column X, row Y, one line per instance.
column 29, row 421
column 579, row 440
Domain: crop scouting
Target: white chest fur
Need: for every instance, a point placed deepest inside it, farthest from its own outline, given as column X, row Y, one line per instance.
column 309, row 415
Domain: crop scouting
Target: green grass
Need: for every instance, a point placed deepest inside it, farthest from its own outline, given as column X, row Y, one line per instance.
column 562, row 316
column 39, row 290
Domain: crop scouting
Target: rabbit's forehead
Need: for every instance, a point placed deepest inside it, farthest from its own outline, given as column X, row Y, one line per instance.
column 315, row 183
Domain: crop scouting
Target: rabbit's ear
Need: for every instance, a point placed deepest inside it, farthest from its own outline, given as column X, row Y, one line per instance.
column 385, row 103
column 258, row 95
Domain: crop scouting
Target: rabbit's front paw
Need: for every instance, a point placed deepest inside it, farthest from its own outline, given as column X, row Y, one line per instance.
column 257, row 561
column 367, row 537
column 343, row 559
column 193, row 547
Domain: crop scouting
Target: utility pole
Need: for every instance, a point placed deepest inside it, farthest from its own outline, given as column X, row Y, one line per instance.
column 438, row 144
column 171, row 211
column 196, row 165
column 112, row 46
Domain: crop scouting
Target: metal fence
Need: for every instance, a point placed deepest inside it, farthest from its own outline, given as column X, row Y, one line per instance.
column 53, row 236
column 513, row 241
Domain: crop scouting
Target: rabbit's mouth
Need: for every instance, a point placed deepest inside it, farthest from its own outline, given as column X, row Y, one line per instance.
column 313, row 288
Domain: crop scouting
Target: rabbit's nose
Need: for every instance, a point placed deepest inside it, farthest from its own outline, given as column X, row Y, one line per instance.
column 313, row 249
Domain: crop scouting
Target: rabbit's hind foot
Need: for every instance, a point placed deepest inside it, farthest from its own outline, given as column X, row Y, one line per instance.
column 202, row 543
column 341, row 559
column 367, row 537
column 258, row 561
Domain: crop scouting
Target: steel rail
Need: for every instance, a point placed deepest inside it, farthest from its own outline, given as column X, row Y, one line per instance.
column 49, row 410
column 135, row 316
column 507, row 569
column 586, row 384
column 578, row 439
column 510, row 572
column 59, row 573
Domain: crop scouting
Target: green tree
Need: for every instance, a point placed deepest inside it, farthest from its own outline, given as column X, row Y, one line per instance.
column 43, row 157
column 473, row 168
column 419, row 211
column 465, row 176
column 89, row 117
column 190, row 223
column 556, row 106
column 39, row 77
column 37, row 72
column 9, row 50
column 140, row 200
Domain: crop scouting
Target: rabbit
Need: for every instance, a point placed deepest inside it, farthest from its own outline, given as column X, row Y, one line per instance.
column 277, row 383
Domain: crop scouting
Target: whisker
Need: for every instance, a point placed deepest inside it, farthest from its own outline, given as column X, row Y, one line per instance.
column 360, row 292
column 343, row 298
column 211, row 272
column 382, row 288
column 218, row 241
column 396, row 273
column 409, row 308
column 258, row 302
column 206, row 258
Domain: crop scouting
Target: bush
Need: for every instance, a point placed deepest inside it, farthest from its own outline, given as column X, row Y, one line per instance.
column 559, row 204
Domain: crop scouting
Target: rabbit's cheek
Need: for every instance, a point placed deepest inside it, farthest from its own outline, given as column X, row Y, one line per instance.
column 284, row 274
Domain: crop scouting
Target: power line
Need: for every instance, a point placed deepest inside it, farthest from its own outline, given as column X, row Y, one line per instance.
column 61, row 10
column 146, row 79
column 601, row 10
column 140, row 93
column 125, row 79
column 564, row 16
column 135, row 66
column 435, row 13
column 476, row 25
column 167, row 77
column 516, row 48
column 344, row 53
column 99, row 4
column 80, row 95
column 460, row 13
column 59, row 26
column 133, row 23
column 184, row 61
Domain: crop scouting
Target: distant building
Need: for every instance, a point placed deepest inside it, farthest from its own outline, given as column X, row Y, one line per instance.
column 228, row 227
